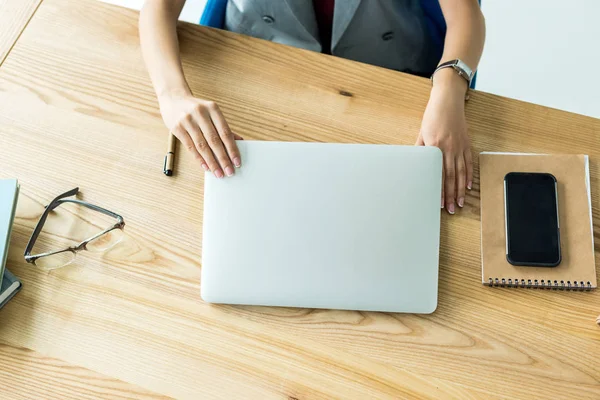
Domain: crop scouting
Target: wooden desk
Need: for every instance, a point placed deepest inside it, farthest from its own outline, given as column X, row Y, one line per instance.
column 77, row 109
column 14, row 16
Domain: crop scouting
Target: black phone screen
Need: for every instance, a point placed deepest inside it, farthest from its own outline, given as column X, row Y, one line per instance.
column 532, row 229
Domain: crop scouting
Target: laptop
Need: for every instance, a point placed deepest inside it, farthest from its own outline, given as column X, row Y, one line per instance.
column 337, row 226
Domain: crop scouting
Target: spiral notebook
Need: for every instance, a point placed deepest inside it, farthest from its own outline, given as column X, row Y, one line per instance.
column 577, row 269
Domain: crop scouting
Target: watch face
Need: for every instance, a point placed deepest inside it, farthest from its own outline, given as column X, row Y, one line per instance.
column 464, row 69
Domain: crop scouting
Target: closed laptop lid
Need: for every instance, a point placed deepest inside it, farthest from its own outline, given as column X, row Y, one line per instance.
column 342, row 226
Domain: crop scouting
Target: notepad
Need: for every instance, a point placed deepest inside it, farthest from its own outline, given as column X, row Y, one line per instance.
column 577, row 269
column 9, row 193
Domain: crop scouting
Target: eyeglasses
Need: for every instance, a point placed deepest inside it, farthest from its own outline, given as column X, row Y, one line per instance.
column 102, row 241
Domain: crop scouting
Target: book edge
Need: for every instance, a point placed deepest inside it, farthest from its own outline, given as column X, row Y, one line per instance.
column 9, row 291
column 589, row 193
column 9, row 233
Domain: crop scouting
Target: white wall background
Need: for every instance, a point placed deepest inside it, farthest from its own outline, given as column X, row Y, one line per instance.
column 192, row 11
column 541, row 51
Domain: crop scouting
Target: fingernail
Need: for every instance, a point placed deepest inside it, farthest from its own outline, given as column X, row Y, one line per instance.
column 205, row 167
column 229, row 171
column 442, row 203
column 470, row 185
column 218, row 173
column 461, row 201
column 451, row 208
column 237, row 162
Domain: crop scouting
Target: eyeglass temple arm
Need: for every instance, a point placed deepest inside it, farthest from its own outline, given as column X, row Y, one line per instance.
column 38, row 228
column 92, row 206
column 55, row 203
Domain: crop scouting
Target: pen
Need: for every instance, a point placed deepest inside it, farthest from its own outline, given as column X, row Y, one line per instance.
column 170, row 157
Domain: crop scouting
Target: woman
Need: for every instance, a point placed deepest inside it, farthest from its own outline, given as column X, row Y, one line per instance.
column 389, row 33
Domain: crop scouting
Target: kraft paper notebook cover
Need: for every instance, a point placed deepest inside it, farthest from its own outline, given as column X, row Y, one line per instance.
column 577, row 269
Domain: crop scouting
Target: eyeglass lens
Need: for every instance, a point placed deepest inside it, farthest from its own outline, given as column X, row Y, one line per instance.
column 68, row 225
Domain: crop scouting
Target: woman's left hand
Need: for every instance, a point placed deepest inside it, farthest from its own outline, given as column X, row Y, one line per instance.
column 444, row 125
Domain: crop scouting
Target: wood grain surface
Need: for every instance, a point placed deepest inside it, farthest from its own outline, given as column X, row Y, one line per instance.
column 26, row 374
column 14, row 16
column 77, row 109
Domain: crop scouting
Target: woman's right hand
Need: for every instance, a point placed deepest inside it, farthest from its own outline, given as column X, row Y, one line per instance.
column 201, row 127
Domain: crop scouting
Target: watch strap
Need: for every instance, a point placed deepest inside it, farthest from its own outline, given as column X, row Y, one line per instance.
column 461, row 68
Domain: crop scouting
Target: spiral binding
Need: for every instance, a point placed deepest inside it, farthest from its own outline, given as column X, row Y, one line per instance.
column 540, row 284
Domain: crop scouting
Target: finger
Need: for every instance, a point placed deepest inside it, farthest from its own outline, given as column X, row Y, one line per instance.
column 443, row 181
column 420, row 141
column 237, row 137
column 461, row 178
column 202, row 146
column 214, row 141
column 188, row 143
column 226, row 135
column 469, row 166
column 449, row 183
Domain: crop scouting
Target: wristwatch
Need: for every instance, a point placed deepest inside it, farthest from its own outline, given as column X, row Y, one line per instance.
column 460, row 67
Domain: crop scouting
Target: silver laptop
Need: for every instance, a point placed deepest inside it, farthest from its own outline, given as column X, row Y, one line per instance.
column 341, row 226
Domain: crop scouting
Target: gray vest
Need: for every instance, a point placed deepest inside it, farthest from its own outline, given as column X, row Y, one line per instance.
column 387, row 33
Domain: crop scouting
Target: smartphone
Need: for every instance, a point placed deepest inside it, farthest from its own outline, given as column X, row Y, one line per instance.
column 531, row 219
